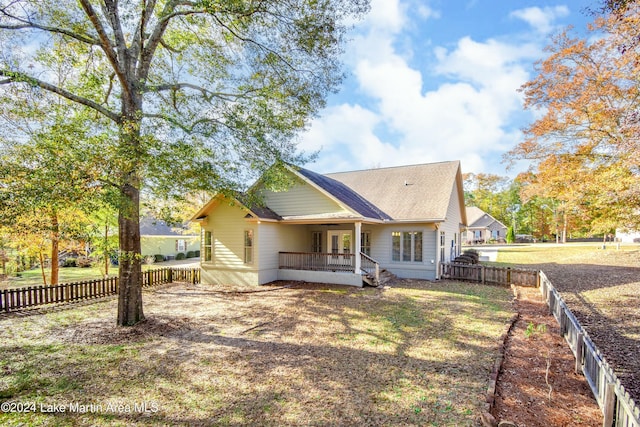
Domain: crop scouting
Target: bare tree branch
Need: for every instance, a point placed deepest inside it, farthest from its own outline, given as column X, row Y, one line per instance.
column 16, row 77
column 106, row 44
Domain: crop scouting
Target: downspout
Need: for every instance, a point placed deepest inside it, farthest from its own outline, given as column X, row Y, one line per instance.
column 437, row 239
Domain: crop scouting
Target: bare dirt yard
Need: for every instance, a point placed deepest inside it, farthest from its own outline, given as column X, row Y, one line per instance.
column 602, row 288
column 417, row 353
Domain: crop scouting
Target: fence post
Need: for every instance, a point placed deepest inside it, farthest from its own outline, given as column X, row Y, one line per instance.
column 579, row 352
column 609, row 404
column 482, row 274
column 170, row 275
column 5, row 299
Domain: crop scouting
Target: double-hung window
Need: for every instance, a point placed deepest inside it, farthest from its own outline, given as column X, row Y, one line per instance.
column 365, row 242
column 406, row 246
column 207, row 254
column 248, row 246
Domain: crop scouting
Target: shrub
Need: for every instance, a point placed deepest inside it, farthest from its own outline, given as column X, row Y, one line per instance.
column 511, row 235
column 197, row 254
column 180, row 255
column 70, row 262
column 84, row 262
column 158, row 258
column 191, row 254
column 149, row 259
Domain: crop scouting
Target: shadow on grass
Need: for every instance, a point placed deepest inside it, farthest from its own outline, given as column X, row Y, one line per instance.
column 312, row 356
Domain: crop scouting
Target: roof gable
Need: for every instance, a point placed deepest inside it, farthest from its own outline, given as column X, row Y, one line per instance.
column 480, row 219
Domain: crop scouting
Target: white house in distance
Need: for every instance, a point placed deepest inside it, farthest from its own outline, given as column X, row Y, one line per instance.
column 338, row 228
column 482, row 228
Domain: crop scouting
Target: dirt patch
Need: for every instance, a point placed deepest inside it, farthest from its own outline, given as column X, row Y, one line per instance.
column 537, row 385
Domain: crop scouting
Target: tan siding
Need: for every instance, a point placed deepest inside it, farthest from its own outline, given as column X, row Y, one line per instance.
column 301, row 199
column 275, row 238
column 227, row 224
column 452, row 225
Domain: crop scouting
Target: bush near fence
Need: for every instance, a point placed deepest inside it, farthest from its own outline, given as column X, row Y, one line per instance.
column 618, row 408
column 36, row 296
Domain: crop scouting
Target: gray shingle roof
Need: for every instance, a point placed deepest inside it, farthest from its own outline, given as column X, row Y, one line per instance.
column 345, row 194
column 478, row 218
column 150, row 226
column 416, row 192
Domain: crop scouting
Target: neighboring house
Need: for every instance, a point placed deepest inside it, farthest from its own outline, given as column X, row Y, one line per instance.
column 628, row 237
column 158, row 238
column 338, row 227
column 482, row 228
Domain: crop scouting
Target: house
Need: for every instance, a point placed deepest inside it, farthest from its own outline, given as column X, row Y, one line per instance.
column 337, row 228
column 482, row 228
column 630, row 236
column 159, row 238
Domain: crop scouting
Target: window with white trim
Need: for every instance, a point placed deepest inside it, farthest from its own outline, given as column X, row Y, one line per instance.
column 406, row 246
column 365, row 242
column 316, row 242
column 442, row 246
column 207, row 254
column 248, row 246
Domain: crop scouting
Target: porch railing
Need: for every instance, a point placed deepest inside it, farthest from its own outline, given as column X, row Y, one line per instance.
column 370, row 266
column 317, row 261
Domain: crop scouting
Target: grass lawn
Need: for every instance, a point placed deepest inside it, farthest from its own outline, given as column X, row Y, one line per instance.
column 419, row 353
column 33, row 277
column 570, row 253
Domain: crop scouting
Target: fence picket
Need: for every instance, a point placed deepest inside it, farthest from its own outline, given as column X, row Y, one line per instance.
column 35, row 296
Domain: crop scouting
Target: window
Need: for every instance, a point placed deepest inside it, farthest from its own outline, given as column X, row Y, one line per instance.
column 208, row 252
column 248, row 246
column 395, row 246
column 181, row 245
column 365, row 242
column 316, row 242
column 442, row 246
column 406, row 246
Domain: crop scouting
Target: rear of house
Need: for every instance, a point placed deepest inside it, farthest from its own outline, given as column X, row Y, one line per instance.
column 337, row 228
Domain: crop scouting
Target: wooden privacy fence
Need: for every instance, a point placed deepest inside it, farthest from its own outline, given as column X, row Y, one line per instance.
column 489, row 274
column 618, row 407
column 34, row 296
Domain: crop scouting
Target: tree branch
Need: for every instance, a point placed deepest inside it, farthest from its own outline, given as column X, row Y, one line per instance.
column 207, row 94
column 17, row 77
column 106, row 44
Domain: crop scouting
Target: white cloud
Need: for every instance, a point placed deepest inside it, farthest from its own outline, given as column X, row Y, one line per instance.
column 541, row 19
column 466, row 117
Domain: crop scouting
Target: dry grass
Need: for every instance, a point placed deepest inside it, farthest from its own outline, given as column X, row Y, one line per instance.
column 418, row 353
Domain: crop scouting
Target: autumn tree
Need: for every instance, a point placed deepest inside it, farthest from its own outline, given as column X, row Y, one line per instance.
column 584, row 147
column 203, row 94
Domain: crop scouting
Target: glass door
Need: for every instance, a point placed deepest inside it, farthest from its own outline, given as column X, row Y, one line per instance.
column 339, row 244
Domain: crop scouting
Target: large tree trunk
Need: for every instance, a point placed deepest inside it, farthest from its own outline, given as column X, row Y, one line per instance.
column 130, row 274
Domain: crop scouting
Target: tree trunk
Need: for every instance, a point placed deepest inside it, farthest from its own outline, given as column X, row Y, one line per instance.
column 107, row 261
column 44, row 276
column 55, row 241
column 130, row 274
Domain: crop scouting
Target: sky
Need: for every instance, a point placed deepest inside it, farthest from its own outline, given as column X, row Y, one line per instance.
column 437, row 80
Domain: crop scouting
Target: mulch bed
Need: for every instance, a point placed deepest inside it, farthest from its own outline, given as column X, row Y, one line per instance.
column 537, row 385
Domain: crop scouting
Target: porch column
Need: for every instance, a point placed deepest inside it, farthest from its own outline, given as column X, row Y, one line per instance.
column 358, row 226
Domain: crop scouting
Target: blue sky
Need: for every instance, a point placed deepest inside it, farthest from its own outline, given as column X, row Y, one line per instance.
column 437, row 80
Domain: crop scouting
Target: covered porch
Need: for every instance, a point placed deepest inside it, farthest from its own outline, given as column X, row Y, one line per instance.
column 329, row 267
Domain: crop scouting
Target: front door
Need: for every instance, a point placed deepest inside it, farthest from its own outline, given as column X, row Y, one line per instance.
column 339, row 245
